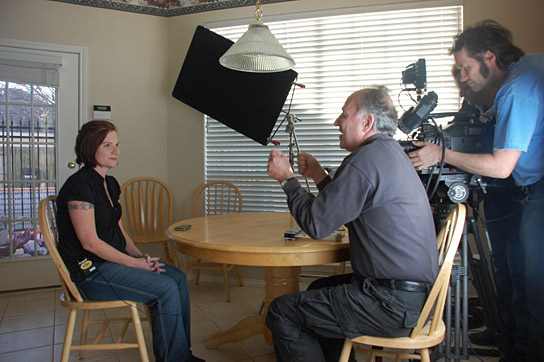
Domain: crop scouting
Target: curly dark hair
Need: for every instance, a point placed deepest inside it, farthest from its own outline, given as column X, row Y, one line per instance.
column 89, row 138
column 488, row 35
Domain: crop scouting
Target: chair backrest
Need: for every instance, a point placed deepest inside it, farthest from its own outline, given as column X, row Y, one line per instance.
column 441, row 238
column 217, row 197
column 147, row 208
column 448, row 241
column 47, row 217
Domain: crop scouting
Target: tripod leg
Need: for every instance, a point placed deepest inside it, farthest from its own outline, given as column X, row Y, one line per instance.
column 484, row 285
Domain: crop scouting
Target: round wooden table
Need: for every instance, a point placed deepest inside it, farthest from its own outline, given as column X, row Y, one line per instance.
column 255, row 239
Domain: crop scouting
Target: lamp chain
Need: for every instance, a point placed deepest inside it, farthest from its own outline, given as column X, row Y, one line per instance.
column 258, row 11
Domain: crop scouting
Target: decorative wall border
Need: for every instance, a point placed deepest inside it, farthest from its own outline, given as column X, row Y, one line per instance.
column 168, row 11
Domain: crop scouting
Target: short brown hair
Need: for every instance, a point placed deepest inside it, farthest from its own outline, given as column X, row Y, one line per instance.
column 89, row 138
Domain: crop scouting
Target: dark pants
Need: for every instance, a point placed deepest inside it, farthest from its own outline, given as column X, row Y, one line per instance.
column 312, row 325
column 532, row 237
column 516, row 228
column 503, row 211
column 515, row 219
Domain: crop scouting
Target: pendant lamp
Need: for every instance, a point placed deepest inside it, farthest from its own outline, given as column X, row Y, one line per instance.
column 257, row 51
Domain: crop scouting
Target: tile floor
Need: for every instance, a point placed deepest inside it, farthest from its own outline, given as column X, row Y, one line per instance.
column 32, row 325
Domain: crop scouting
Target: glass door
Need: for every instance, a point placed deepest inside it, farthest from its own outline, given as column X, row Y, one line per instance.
column 28, row 119
column 38, row 127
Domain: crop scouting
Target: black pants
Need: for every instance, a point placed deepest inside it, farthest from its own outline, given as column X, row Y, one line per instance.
column 503, row 211
column 312, row 325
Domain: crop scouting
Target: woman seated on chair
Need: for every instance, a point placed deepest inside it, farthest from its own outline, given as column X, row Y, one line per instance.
column 90, row 229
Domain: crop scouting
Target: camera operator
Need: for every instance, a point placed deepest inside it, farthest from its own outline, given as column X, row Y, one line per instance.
column 505, row 244
column 486, row 57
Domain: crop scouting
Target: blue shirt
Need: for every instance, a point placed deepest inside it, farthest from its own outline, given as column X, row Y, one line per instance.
column 519, row 111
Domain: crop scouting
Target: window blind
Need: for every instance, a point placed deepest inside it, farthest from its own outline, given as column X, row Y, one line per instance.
column 335, row 56
column 30, row 68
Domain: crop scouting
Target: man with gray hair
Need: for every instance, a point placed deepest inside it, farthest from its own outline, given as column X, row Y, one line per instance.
column 379, row 196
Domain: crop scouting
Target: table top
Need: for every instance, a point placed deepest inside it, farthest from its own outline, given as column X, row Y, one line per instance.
column 253, row 239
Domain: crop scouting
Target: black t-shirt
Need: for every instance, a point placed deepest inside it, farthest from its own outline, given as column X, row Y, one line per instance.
column 88, row 185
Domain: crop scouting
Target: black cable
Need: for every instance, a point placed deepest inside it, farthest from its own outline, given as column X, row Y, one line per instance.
column 406, row 90
column 431, row 172
column 505, row 216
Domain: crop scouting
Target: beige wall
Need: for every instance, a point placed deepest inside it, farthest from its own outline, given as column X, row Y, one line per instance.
column 522, row 17
column 126, row 68
column 134, row 61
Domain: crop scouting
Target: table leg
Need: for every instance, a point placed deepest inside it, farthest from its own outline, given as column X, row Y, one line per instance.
column 246, row 328
column 279, row 281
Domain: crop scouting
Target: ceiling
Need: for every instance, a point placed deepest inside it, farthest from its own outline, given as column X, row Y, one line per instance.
column 167, row 7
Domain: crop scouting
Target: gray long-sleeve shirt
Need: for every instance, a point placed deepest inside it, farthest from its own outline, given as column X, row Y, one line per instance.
column 377, row 193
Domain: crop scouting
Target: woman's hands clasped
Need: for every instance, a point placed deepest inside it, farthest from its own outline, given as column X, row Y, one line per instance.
column 150, row 263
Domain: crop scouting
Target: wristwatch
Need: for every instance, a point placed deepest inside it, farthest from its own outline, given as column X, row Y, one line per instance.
column 282, row 183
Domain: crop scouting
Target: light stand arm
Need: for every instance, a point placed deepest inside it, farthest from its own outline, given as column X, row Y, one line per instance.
column 293, row 142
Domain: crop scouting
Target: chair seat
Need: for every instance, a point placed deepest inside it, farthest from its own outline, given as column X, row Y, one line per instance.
column 423, row 340
column 97, row 304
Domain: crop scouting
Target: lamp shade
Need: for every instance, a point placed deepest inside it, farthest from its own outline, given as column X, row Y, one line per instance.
column 257, row 51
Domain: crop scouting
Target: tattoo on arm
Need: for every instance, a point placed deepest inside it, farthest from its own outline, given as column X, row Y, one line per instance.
column 80, row 206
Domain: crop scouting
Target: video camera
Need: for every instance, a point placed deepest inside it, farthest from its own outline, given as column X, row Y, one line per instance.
column 466, row 133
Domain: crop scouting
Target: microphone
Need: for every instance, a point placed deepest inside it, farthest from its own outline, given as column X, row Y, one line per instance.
column 412, row 118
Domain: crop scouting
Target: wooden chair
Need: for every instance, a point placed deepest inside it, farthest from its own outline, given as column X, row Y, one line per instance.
column 147, row 212
column 426, row 334
column 216, row 198
column 71, row 298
